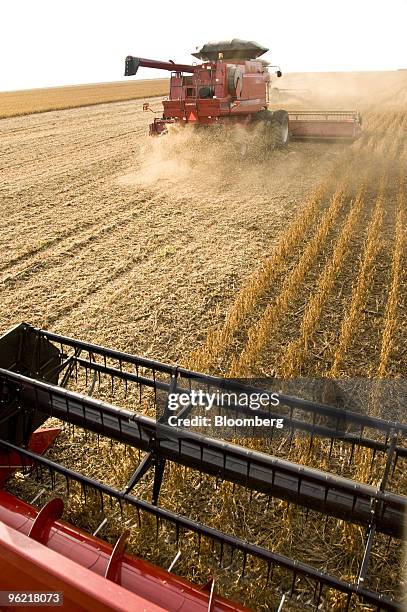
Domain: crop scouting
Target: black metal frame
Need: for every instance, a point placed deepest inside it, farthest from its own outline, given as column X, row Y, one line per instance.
column 25, row 387
column 297, row 569
column 327, row 493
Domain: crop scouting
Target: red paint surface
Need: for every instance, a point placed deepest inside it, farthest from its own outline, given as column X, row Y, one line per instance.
column 70, row 560
column 40, row 441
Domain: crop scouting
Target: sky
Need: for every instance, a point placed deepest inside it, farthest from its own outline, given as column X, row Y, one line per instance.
column 47, row 42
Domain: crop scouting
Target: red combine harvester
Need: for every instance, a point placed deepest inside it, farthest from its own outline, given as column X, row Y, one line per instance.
column 232, row 85
column 38, row 552
column 41, row 552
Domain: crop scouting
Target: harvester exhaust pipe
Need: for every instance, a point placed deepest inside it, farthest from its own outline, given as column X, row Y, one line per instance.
column 133, row 64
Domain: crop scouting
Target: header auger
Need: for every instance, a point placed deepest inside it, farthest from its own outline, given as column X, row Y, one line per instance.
column 231, row 85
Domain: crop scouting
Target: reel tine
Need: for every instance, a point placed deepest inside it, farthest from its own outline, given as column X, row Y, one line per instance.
column 373, row 458
column 352, row 453
column 321, row 586
column 331, row 447
column 270, row 571
column 396, row 456
column 293, row 584
column 221, row 554
column 37, row 478
column 52, row 475
column 244, row 564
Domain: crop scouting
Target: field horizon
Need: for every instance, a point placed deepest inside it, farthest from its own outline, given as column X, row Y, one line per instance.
column 21, row 102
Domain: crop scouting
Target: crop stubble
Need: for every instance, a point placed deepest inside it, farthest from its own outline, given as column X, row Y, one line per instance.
column 109, row 240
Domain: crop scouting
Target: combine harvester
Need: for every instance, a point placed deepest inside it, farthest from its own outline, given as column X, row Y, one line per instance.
column 232, row 85
column 38, row 551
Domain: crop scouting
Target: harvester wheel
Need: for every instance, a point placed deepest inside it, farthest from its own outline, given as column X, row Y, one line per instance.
column 275, row 127
column 278, row 129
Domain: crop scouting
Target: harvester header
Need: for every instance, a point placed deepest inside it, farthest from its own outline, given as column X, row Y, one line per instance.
column 231, row 85
column 43, row 374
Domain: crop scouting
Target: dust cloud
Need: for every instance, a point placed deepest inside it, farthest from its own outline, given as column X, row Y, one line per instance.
column 361, row 91
column 222, row 159
column 234, row 163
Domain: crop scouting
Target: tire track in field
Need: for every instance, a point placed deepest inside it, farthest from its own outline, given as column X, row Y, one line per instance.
column 48, row 175
column 68, row 135
column 98, row 178
column 62, row 287
column 34, row 174
column 80, row 224
column 52, row 256
column 76, row 147
column 34, row 202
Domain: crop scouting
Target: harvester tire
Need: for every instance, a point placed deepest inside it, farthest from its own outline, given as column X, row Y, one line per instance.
column 235, row 81
column 275, row 126
column 278, row 130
